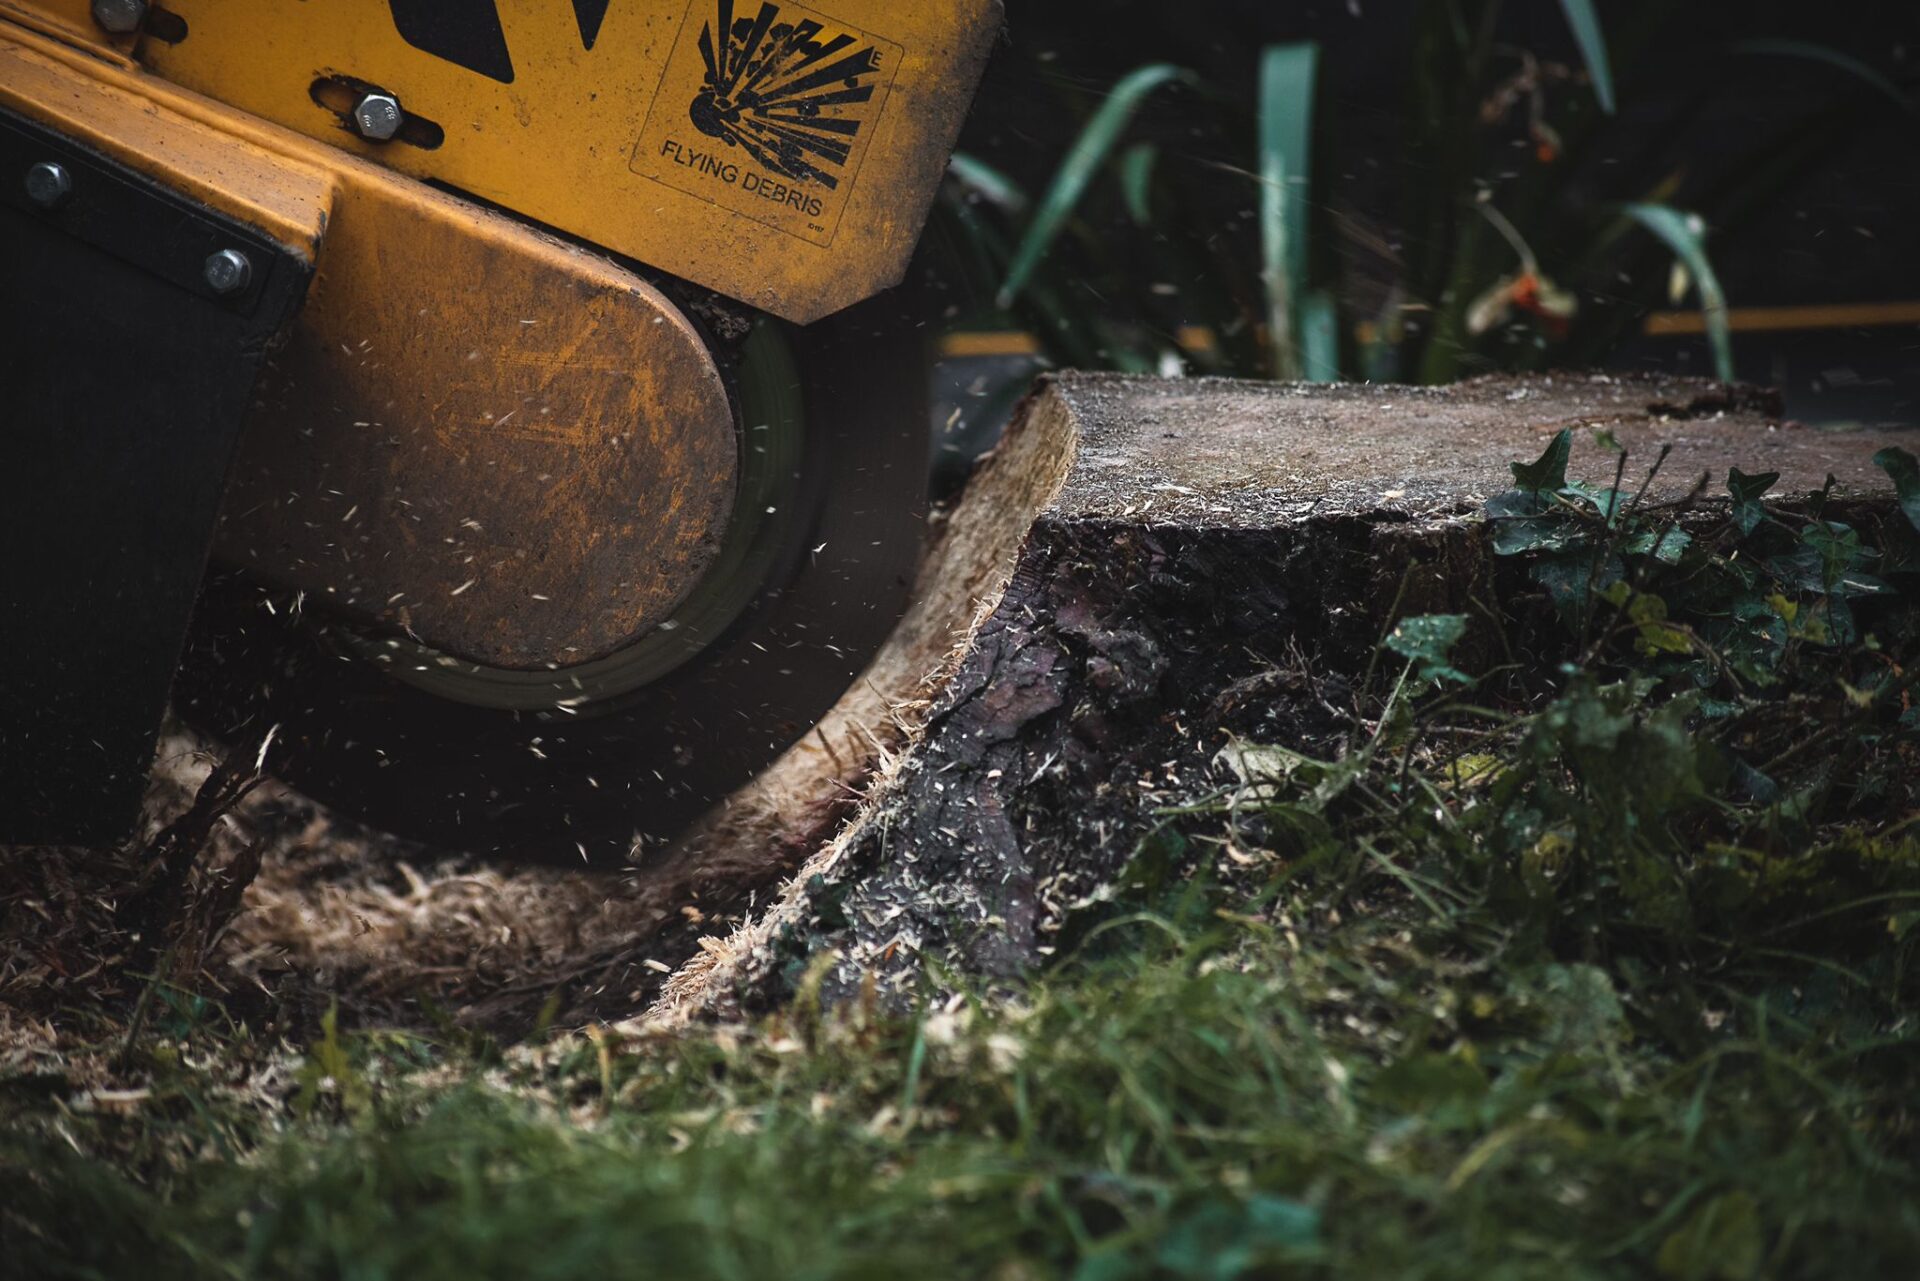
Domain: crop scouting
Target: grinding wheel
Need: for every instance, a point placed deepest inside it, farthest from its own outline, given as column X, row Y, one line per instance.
column 599, row 762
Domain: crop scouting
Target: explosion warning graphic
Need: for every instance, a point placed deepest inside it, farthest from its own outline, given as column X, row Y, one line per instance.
column 792, row 95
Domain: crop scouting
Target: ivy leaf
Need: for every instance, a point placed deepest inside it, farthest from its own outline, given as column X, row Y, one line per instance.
column 1567, row 577
column 1841, row 557
column 1605, row 501
column 1427, row 639
column 1547, row 473
column 1517, row 502
column 1905, row 471
column 1649, row 614
column 1665, row 546
column 1831, row 560
column 1746, row 491
column 1758, row 787
column 1536, row 534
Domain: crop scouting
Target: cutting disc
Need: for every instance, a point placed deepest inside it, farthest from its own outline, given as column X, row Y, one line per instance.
column 600, row 761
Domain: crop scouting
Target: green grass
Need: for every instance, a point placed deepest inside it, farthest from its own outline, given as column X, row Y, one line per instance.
column 1562, row 987
column 1228, row 1090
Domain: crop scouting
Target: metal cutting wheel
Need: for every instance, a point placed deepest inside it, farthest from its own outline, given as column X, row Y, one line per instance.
column 595, row 760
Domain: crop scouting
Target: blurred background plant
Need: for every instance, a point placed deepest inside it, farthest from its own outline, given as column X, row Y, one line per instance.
column 1424, row 190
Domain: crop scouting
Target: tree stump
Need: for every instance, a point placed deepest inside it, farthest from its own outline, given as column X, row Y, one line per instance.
column 1143, row 568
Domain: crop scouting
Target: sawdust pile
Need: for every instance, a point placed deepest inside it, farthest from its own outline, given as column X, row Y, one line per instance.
column 286, row 905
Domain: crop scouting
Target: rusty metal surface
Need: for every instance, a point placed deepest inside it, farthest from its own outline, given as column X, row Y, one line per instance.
column 516, row 450
column 513, row 451
column 783, row 154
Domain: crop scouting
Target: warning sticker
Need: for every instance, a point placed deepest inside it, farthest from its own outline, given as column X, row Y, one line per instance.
column 767, row 110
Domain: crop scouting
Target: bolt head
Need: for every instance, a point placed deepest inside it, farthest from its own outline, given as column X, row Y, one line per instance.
column 121, row 17
column 49, row 184
column 377, row 116
column 227, row 271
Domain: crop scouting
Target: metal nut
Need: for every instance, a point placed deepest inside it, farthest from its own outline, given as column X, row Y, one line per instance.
column 49, row 184
column 227, row 272
column 121, row 17
column 377, row 116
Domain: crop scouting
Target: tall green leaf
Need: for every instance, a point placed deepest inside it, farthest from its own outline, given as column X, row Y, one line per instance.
column 1083, row 161
column 1593, row 48
column 993, row 186
column 1833, row 58
column 1287, row 74
column 1682, row 235
column 1136, row 180
column 1319, row 337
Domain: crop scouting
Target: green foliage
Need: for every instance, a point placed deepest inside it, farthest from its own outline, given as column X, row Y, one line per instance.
column 1904, row 470
column 1287, row 76
column 1761, row 591
column 1548, row 472
column 1747, row 492
column 1512, row 251
column 1721, row 1241
column 1082, row 162
column 1593, row 48
column 1427, row 640
column 1685, row 235
column 1603, row 969
column 1829, row 56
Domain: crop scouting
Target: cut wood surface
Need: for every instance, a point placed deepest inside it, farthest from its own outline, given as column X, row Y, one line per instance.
column 1183, row 546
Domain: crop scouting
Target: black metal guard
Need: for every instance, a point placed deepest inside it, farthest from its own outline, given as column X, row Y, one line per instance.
column 133, row 322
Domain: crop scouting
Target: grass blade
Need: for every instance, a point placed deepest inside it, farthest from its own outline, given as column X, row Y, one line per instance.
column 1593, row 48
column 993, row 186
column 1083, row 161
column 1682, row 234
column 1831, row 57
column 1136, row 181
column 1320, row 337
column 1287, row 74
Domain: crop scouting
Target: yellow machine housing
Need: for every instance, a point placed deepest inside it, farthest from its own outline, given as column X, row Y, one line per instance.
column 541, row 469
column 525, row 476
column 797, row 183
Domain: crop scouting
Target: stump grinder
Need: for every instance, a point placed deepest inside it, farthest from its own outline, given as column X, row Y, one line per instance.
column 502, row 401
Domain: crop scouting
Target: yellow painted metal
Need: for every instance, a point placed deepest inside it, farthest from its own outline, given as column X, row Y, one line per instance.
column 112, row 110
column 512, row 447
column 70, row 21
column 606, row 142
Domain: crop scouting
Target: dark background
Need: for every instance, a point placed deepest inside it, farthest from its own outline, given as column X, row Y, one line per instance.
column 1830, row 166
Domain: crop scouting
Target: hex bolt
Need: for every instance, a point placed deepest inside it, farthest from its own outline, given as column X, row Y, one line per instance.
column 377, row 116
column 121, row 17
column 49, row 184
column 228, row 271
